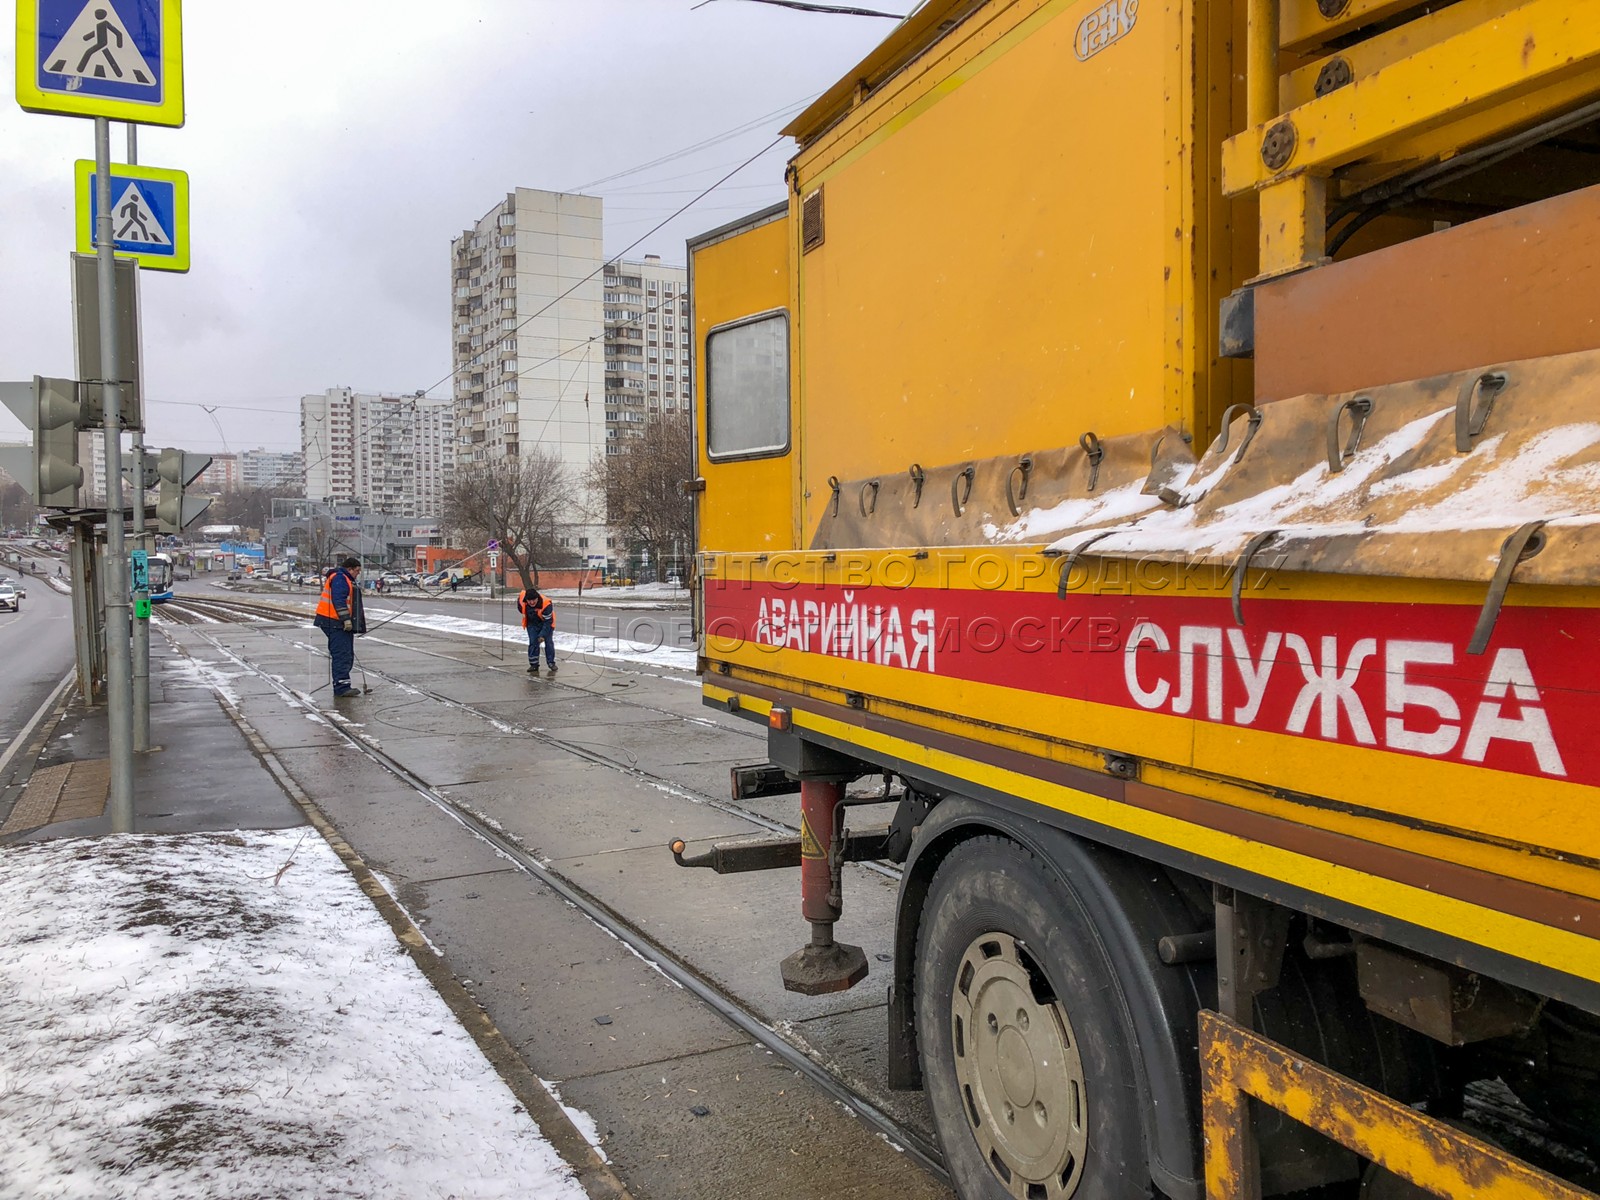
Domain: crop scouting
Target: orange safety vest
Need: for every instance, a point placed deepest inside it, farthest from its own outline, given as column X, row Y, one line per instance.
column 325, row 606
column 542, row 610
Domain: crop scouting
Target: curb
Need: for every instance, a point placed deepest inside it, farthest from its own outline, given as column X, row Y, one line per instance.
column 592, row 1172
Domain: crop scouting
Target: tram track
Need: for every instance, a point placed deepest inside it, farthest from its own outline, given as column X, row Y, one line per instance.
column 680, row 971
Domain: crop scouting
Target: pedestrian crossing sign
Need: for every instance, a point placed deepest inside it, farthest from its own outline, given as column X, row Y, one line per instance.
column 121, row 59
column 149, row 214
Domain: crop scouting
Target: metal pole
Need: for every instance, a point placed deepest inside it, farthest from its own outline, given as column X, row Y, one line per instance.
column 1261, row 57
column 141, row 627
column 119, row 680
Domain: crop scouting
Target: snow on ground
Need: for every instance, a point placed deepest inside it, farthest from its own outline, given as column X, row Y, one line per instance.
column 177, row 1021
column 623, row 649
column 208, row 675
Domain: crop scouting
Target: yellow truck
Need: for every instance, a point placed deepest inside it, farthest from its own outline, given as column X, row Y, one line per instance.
column 1162, row 437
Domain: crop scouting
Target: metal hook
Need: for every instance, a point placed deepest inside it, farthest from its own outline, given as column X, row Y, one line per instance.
column 1469, row 420
column 872, row 486
column 1518, row 548
column 917, row 478
column 1252, row 547
column 833, row 482
column 1015, row 498
column 959, row 498
column 1361, row 406
column 1221, row 444
column 1092, row 447
column 1072, row 557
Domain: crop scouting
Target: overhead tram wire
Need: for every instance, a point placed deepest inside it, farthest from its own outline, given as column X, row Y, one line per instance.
column 715, row 139
column 615, row 257
column 832, row 10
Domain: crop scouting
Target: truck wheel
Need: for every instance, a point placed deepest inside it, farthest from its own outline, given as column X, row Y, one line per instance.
column 1028, row 1058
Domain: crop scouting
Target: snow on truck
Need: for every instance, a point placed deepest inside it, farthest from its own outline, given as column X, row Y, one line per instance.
column 1165, row 437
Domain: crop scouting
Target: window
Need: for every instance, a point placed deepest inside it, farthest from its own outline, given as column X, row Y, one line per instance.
column 747, row 403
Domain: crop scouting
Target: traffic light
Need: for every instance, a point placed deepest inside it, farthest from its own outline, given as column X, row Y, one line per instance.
column 131, row 477
column 49, row 470
column 178, row 469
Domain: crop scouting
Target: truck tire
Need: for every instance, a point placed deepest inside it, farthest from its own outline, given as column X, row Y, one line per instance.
column 1027, row 1053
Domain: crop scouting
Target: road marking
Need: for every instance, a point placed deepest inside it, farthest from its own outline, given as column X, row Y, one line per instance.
column 27, row 730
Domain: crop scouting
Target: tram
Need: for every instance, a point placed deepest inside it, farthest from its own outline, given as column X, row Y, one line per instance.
column 160, row 578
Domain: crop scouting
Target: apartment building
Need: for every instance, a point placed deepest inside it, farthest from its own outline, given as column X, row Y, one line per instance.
column 220, row 477
column 647, row 345
column 272, row 469
column 528, row 339
column 393, row 454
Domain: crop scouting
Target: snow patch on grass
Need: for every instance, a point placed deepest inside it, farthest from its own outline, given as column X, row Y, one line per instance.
column 182, row 1016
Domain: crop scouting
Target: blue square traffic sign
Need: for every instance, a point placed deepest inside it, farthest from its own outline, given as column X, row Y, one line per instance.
column 101, row 58
column 149, row 214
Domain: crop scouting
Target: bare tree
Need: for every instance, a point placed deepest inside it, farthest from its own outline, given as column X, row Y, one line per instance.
column 643, row 487
column 519, row 502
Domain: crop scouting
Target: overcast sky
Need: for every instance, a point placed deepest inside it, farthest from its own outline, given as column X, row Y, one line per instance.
column 334, row 148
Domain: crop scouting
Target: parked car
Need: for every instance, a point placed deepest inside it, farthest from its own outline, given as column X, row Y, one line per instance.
column 9, row 598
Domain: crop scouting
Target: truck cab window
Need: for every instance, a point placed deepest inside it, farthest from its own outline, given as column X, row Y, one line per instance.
column 747, row 388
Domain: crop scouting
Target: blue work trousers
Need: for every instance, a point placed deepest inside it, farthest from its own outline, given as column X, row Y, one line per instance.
column 545, row 632
column 342, row 649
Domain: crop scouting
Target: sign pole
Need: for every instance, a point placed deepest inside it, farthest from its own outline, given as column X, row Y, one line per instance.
column 119, row 681
column 141, row 599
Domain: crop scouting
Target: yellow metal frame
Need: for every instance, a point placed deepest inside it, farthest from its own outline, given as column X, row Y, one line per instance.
column 1463, row 83
column 1430, row 1154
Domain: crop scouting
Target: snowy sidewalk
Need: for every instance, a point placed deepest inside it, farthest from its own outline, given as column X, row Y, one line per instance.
column 227, row 1015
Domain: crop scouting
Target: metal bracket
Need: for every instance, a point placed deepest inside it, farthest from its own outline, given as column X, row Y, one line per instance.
column 1518, row 548
column 833, row 482
column 1361, row 406
column 1470, row 420
column 917, row 480
column 1252, row 935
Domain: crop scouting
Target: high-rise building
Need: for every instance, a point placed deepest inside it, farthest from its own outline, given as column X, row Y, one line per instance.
column 647, row 344
column 393, row 454
column 220, row 477
column 528, row 344
column 272, row 469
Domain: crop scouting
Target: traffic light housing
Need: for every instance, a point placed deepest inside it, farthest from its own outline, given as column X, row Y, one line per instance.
column 178, row 469
column 50, row 469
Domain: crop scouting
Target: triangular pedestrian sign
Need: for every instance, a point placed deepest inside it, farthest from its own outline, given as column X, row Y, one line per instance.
column 132, row 220
column 97, row 46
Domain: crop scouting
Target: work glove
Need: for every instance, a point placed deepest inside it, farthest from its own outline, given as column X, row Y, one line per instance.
column 349, row 625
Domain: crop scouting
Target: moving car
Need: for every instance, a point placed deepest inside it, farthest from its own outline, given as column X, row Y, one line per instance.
column 8, row 596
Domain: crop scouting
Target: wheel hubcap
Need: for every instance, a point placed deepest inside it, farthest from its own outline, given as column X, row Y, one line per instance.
column 1018, row 1071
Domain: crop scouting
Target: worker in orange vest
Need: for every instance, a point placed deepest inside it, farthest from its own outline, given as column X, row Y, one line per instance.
column 539, row 619
column 340, row 616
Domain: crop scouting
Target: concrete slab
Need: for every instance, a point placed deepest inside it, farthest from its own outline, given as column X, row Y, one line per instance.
column 398, row 833
column 766, row 1134
column 577, row 808
column 456, row 759
column 545, row 972
column 727, row 925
